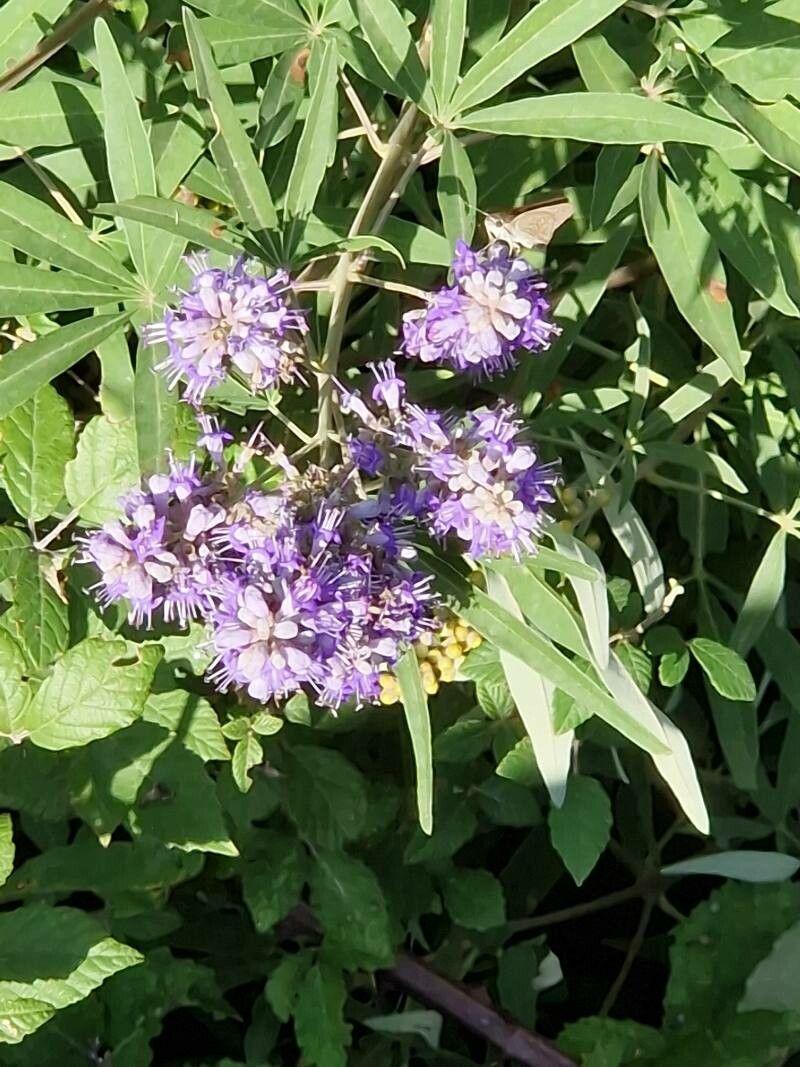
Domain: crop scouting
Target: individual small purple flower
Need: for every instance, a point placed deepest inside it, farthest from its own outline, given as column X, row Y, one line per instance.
column 213, row 438
column 497, row 306
column 231, row 320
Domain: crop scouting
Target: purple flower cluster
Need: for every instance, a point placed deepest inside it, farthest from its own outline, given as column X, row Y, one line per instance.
column 469, row 476
column 308, row 586
column 231, row 321
column 497, row 305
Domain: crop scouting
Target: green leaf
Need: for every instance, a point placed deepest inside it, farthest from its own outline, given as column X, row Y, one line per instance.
column 349, row 902
column 763, row 596
column 237, row 42
column 457, row 192
column 30, row 290
column 590, row 592
column 721, row 201
column 317, row 145
column 189, row 718
column 281, row 100
column 690, row 264
column 601, row 118
column 448, row 33
column 37, row 618
column 104, row 468
column 51, row 111
column 6, row 848
column 33, row 364
column 724, row 668
column 322, row 1034
column 231, row 146
column 614, row 166
column 86, row 866
column 326, row 796
column 197, row 225
column 533, row 695
column 386, row 33
column 573, row 310
column 116, row 377
column 279, row 18
column 247, row 754
column 549, row 27
column 272, row 884
column 709, row 965
column 283, row 985
column 93, row 691
column 774, row 984
column 415, row 705
column 580, row 830
column 178, row 805
column 52, row 957
column 510, row 635
column 750, row 866
column 155, row 408
column 36, row 229
column 424, row 1024
column 625, row 1041
column 775, row 128
column 601, row 66
column 22, row 25
column 37, row 439
column 672, row 667
column 474, row 899
column 696, row 459
column 130, row 160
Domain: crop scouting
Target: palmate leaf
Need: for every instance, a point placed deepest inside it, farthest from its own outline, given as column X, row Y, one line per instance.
column 448, row 33
column 382, row 25
column 195, row 224
column 155, row 408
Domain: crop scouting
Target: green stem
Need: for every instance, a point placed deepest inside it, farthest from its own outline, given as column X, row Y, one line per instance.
column 389, row 178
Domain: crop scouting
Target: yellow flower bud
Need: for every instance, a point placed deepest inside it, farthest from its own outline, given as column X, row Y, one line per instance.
column 460, row 632
column 473, row 640
column 453, row 650
column 429, row 684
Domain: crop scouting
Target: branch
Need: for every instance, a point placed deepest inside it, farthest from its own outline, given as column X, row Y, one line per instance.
column 51, row 44
column 416, row 978
column 633, row 951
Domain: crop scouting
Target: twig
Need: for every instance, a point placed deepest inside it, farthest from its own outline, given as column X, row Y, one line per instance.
column 434, row 153
column 515, row 1041
column 51, row 44
column 362, row 115
column 391, row 171
column 52, row 189
column 633, row 951
column 631, row 273
column 68, row 520
column 537, row 922
column 432, row 989
column 394, row 287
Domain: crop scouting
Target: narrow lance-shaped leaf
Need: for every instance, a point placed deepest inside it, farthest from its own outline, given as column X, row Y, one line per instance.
column 689, row 263
column 26, row 290
column 382, row 24
column 231, row 146
column 415, row 705
column 25, row 369
column 533, row 696
column 763, row 596
column 155, row 410
column 36, row 229
column 318, row 139
column 731, row 218
column 448, row 30
column 195, row 224
column 549, row 27
column 457, row 191
column 601, row 118
column 130, row 160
